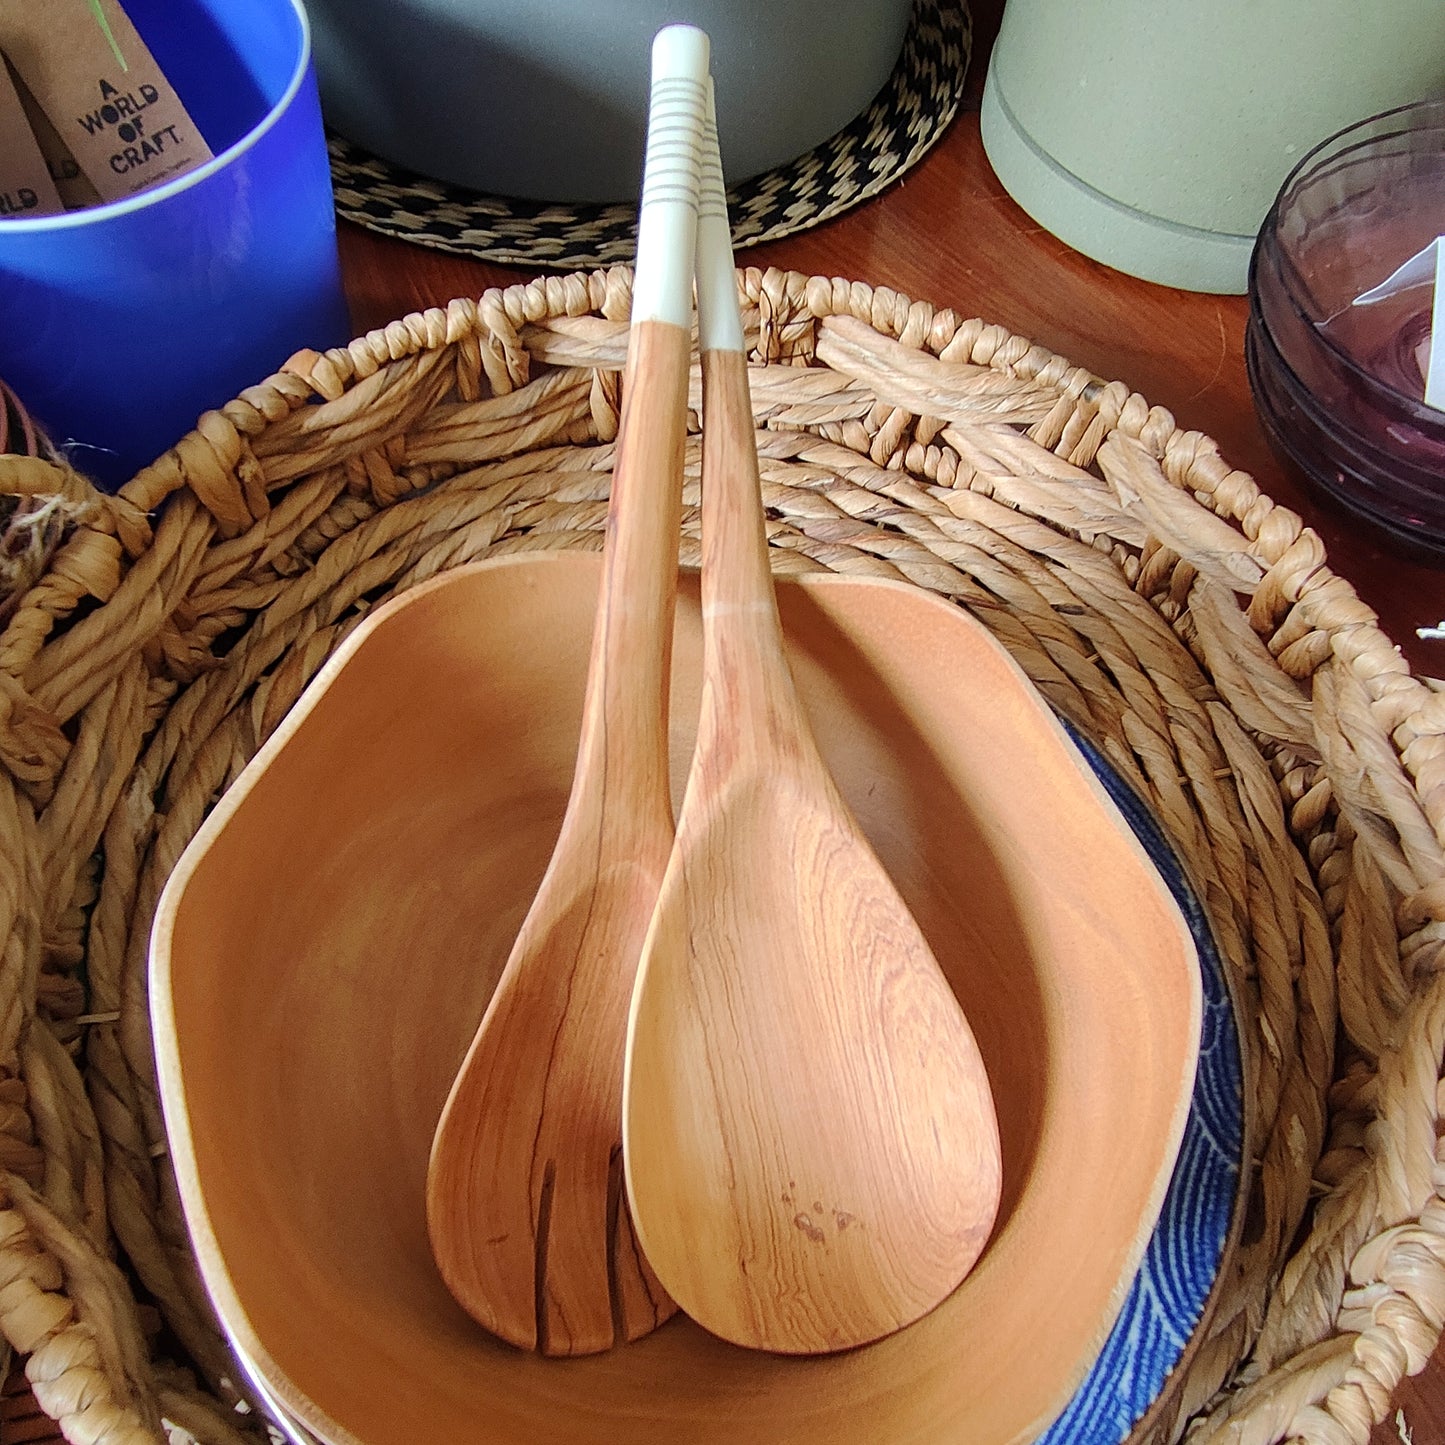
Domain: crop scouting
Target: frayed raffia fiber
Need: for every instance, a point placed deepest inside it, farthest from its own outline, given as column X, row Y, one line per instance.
column 45, row 501
column 1157, row 599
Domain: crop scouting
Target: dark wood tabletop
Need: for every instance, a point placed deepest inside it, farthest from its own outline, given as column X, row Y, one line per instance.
column 948, row 233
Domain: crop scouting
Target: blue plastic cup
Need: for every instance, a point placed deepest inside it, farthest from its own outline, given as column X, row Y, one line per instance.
column 121, row 324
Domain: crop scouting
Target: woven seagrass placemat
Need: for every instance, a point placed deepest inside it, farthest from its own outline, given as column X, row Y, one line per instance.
column 1175, row 615
column 879, row 146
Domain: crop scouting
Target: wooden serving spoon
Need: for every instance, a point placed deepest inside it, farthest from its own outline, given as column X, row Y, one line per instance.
column 525, row 1207
column 810, row 1143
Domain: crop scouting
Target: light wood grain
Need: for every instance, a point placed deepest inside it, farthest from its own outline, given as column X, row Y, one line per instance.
column 949, row 233
column 793, row 1043
column 525, row 1203
column 524, row 1192
column 791, row 1036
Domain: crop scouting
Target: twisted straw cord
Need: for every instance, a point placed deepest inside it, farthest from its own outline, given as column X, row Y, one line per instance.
column 1267, row 701
column 1369, row 767
column 86, row 1364
column 1296, row 573
column 348, row 476
column 1282, row 1406
column 78, row 664
column 183, row 1405
column 1391, row 1318
column 1368, row 1196
column 145, row 1216
column 87, row 565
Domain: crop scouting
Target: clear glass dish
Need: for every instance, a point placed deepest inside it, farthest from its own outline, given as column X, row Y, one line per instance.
column 1339, row 384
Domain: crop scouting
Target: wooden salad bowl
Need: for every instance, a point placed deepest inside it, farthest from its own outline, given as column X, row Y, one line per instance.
column 328, row 942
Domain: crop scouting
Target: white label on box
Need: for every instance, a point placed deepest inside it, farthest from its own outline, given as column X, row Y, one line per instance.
column 1435, row 368
column 1426, row 266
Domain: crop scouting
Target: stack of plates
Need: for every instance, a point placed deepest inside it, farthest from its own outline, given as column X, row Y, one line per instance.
column 1341, row 291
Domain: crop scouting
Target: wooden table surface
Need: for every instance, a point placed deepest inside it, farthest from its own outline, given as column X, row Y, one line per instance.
column 948, row 233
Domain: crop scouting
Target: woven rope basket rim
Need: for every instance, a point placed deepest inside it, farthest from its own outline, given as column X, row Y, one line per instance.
column 1159, row 600
column 896, row 130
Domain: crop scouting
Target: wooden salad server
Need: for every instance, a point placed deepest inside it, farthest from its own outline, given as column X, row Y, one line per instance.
column 810, row 1143
column 525, row 1205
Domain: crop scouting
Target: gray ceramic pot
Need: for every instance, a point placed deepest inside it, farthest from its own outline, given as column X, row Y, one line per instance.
column 547, row 99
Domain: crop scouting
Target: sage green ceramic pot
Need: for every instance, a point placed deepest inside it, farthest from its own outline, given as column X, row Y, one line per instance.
column 1154, row 134
column 547, row 99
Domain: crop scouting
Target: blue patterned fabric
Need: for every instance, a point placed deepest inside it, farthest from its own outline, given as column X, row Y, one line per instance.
column 1168, row 1296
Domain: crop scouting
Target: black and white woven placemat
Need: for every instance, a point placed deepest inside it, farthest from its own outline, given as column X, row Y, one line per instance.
column 886, row 140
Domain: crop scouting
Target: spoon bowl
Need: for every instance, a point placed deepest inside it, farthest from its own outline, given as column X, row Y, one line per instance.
column 810, row 1139
column 809, row 1136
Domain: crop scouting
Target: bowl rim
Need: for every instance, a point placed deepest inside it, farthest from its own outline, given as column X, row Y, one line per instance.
column 1405, row 478
column 216, row 1274
column 297, row 1433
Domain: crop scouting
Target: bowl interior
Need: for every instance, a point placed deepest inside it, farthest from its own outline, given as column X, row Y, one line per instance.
column 328, row 943
column 1359, row 207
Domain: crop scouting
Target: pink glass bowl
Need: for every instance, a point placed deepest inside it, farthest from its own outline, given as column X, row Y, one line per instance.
column 1338, row 385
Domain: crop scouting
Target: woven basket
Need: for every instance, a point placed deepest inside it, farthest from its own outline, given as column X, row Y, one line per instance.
column 1158, row 600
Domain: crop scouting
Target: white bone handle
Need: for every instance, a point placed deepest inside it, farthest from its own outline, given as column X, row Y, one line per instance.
column 667, row 216
column 719, row 324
